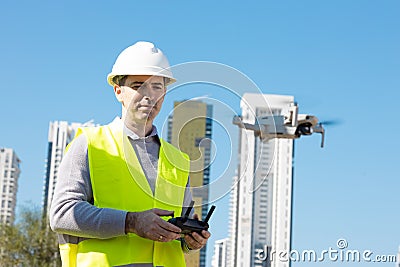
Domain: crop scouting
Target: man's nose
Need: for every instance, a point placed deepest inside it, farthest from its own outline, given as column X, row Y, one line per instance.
column 147, row 93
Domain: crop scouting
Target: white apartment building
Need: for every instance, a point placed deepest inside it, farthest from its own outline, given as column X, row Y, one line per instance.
column 219, row 258
column 261, row 204
column 233, row 218
column 60, row 135
column 9, row 174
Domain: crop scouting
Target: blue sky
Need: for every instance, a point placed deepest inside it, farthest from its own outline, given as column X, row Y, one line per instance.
column 340, row 59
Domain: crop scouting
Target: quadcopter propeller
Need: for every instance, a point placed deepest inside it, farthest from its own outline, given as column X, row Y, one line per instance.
column 330, row 122
column 319, row 128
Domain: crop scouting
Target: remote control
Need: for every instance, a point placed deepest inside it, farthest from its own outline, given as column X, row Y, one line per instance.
column 191, row 225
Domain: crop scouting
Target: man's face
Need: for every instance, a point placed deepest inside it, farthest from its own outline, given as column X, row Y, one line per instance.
column 142, row 97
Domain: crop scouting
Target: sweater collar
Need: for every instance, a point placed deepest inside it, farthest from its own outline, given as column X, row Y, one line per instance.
column 119, row 123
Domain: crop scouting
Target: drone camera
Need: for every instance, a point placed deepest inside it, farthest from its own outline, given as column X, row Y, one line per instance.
column 304, row 129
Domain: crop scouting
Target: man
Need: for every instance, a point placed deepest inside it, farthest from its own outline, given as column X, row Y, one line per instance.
column 118, row 184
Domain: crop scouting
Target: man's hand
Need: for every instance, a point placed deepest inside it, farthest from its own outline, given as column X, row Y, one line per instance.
column 148, row 224
column 195, row 240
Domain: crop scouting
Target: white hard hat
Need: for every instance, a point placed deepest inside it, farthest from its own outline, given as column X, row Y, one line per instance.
column 142, row 58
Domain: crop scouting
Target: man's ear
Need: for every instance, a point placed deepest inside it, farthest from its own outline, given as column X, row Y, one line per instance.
column 118, row 92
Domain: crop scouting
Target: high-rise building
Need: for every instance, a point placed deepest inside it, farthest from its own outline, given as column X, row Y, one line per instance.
column 9, row 174
column 189, row 129
column 220, row 253
column 261, row 202
column 232, row 240
column 60, row 135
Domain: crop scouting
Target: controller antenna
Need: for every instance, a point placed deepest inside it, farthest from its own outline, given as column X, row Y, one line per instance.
column 189, row 209
column 209, row 214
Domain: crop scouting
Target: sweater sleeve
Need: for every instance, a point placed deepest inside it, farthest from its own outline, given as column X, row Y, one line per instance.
column 72, row 211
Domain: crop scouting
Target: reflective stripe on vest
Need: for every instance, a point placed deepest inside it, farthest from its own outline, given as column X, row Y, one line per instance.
column 118, row 182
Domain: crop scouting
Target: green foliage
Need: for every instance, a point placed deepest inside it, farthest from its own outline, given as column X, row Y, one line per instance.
column 29, row 242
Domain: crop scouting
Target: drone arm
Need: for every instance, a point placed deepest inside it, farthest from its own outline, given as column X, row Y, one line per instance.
column 293, row 114
column 238, row 121
column 320, row 129
column 322, row 138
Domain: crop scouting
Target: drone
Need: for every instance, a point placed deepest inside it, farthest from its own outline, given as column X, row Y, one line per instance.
column 289, row 126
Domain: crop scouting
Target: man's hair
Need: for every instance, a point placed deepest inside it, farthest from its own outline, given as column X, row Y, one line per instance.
column 166, row 81
column 120, row 80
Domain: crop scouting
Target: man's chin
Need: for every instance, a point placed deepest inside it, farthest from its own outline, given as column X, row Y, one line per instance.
column 145, row 117
column 142, row 117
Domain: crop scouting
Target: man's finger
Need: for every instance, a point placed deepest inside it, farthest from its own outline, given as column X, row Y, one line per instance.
column 201, row 239
column 165, row 235
column 161, row 212
column 196, row 237
column 169, row 226
column 192, row 242
column 206, row 234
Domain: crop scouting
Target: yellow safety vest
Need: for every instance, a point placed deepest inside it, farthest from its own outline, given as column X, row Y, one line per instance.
column 118, row 182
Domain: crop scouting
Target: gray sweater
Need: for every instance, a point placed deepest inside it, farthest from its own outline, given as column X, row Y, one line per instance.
column 72, row 214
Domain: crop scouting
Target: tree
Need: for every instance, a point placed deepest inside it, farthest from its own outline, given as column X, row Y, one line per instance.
column 29, row 242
